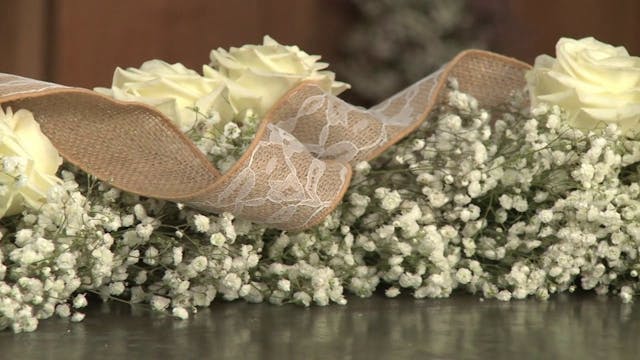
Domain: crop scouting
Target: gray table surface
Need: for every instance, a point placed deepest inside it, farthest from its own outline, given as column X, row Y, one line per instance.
column 565, row 327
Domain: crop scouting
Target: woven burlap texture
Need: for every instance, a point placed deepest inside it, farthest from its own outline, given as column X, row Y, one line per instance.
column 296, row 170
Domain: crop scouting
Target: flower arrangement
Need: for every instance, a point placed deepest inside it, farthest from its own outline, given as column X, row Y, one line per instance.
column 534, row 197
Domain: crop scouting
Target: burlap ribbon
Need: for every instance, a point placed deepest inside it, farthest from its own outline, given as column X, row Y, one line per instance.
column 295, row 171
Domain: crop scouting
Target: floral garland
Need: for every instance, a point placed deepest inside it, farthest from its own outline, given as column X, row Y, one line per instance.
column 510, row 202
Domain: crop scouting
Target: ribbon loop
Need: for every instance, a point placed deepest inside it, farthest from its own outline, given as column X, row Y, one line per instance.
column 295, row 171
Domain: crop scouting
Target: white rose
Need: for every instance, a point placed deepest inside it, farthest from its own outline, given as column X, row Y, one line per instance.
column 596, row 83
column 260, row 74
column 172, row 89
column 28, row 162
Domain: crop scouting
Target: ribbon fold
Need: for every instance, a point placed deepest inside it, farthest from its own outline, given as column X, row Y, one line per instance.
column 296, row 170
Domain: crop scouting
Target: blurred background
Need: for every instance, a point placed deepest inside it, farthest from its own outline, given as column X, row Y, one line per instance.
column 379, row 46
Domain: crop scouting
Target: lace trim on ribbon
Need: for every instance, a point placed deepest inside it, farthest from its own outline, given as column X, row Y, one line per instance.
column 296, row 170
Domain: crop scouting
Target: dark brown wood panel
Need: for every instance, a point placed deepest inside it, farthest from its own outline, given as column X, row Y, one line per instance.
column 80, row 42
column 93, row 37
column 23, row 25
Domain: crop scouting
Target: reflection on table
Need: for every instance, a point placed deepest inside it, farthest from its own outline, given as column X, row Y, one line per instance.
column 463, row 327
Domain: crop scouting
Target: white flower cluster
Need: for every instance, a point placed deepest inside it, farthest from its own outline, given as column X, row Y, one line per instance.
column 28, row 162
column 91, row 238
column 223, row 145
column 509, row 208
column 519, row 206
column 41, row 256
column 596, row 83
column 220, row 109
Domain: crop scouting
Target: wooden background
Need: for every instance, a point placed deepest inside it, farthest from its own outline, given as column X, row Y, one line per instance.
column 80, row 42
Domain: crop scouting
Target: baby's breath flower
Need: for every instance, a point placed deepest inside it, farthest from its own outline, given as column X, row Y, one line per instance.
column 159, row 303
column 201, row 223
column 392, row 292
column 77, row 316
column 302, row 298
column 177, row 255
column 151, row 256
column 284, row 285
column 116, row 288
column 198, row 264
column 390, row 201
column 79, row 301
column 463, row 275
column 180, row 313
column 217, row 239
column 63, row 310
